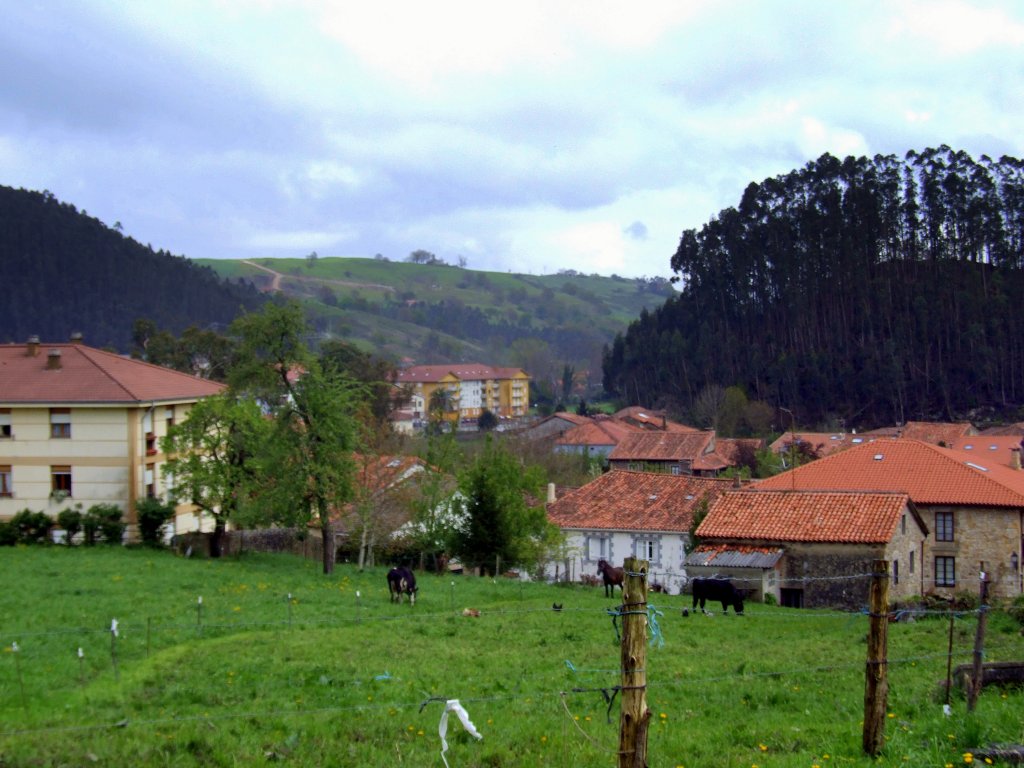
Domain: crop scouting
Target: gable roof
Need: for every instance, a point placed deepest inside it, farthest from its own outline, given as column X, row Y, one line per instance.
column 805, row 516
column 87, row 375
column 597, row 432
column 663, row 446
column 648, row 419
column 635, row 501
column 462, row 371
column 1017, row 428
column 928, row 473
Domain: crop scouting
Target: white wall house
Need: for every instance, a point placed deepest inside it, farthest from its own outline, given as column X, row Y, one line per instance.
column 631, row 514
column 82, row 426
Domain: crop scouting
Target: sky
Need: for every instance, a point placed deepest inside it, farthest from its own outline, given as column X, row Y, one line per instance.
column 526, row 137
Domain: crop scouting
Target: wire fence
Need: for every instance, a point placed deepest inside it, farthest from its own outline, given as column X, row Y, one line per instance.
column 50, row 662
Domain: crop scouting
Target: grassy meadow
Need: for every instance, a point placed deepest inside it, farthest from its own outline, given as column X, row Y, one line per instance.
column 280, row 664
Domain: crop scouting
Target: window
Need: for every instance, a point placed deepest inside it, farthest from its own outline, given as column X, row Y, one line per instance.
column 635, row 466
column 597, row 548
column 5, row 423
column 60, row 479
column 169, row 416
column 646, row 549
column 943, row 526
column 147, row 427
column 903, row 524
column 677, row 470
column 945, row 571
column 895, row 572
column 911, row 561
column 6, row 484
column 60, row 423
column 150, row 481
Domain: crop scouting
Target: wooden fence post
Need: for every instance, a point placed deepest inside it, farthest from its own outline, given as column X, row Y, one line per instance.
column 876, row 673
column 635, row 716
column 978, row 672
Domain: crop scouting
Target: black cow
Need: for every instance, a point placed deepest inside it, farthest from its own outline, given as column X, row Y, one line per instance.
column 402, row 582
column 722, row 590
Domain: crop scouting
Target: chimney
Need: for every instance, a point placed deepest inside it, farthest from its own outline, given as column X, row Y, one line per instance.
column 76, row 337
column 32, row 348
column 53, row 360
column 1015, row 458
column 551, row 492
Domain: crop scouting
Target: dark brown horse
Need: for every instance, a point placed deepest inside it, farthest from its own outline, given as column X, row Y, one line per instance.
column 612, row 577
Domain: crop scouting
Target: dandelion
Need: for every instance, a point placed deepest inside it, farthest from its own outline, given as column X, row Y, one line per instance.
column 988, row 760
column 968, row 757
column 663, row 716
column 587, row 718
column 419, row 732
column 543, row 739
column 825, row 756
column 763, row 747
column 891, row 715
column 237, row 608
column 411, row 728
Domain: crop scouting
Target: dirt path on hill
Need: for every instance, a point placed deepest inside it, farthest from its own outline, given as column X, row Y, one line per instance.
column 275, row 283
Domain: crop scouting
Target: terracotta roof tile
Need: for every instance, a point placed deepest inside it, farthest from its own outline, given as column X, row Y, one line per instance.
column 603, row 432
column 89, row 375
column 809, row 516
column 823, row 443
column 662, row 446
column 928, row 473
column 936, row 432
column 635, row 501
column 462, row 371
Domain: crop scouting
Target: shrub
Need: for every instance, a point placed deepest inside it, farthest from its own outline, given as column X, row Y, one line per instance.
column 71, row 521
column 31, row 527
column 1016, row 609
column 153, row 514
column 108, row 521
column 8, row 534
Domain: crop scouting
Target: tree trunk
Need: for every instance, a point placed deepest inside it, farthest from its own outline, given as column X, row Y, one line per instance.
column 327, row 532
column 217, row 539
column 362, row 549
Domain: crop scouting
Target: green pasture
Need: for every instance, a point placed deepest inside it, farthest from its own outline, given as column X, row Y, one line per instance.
column 280, row 664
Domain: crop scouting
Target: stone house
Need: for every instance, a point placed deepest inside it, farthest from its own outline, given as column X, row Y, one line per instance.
column 811, row 548
column 972, row 506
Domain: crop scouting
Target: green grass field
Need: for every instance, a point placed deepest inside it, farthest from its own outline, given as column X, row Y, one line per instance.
column 338, row 676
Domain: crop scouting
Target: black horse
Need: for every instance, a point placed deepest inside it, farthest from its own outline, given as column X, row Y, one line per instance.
column 613, row 577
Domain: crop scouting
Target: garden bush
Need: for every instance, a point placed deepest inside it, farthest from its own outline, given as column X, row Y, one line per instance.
column 71, row 521
column 31, row 527
column 107, row 520
column 153, row 514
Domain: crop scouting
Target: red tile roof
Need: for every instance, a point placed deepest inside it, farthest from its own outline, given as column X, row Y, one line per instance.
column 603, row 432
column 1006, row 429
column 826, row 516
column 635, row 501
column 728, row 448
column 823, row 443
column 648, row 419
column 462, row 371
column 936, row 432
column 662, row 446
column 997, row 448
column 89, row 375
column 928, row 473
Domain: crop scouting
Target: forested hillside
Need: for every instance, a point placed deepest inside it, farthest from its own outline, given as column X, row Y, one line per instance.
column 431, row 312
column 64, row 271
column 856, row 292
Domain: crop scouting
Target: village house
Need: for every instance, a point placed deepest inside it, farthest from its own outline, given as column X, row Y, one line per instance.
column 973, row 508
column 79, row 425
column 631, row 514
column 598, row 437
column 811, row 548
column 471, row 387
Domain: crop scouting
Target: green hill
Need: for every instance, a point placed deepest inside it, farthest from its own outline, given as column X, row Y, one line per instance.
column 432, row 313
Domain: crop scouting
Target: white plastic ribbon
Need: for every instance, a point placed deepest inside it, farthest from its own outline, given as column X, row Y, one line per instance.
column 15, row 649
column 113, row 627
column 453, row 705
